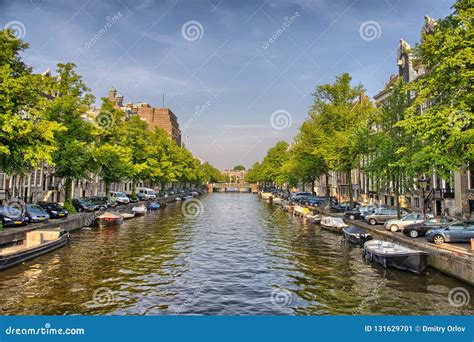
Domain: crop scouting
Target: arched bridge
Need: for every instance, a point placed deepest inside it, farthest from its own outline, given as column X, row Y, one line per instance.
column 232, row 187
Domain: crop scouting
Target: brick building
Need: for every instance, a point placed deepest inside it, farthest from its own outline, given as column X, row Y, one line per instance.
column 155, row 117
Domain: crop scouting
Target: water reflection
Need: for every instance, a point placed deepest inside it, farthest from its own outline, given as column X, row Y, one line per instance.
column 239, row 256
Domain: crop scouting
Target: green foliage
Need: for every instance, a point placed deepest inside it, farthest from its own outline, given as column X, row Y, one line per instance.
column 444, row 132
column 239, row 168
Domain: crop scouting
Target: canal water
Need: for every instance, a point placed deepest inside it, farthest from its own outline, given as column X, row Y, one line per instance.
column 224, row 254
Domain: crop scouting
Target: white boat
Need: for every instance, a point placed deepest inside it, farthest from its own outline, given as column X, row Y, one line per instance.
column 277, row 200
column 266, row 195
column 127, row 216
column 139, row 210
column 332, row 223
column 390, row 254
column 316, row 218
column 36, row 243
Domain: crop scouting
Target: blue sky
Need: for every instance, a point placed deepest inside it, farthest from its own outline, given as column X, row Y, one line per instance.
column 225, row 66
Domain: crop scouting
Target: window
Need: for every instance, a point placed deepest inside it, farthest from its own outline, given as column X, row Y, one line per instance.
column 457, row 226
column 2, row 181
column 417, row 202
column 470, row 178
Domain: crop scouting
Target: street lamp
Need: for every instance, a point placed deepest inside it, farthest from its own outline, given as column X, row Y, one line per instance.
column 423, row 181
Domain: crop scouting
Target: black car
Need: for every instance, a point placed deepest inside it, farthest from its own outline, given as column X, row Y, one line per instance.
column 353, row 214
column 55, row 210
column 12, row 217
column 345, row 206
column 36, row 214
column 84, row 204
column 420, row 229
column 102, row 202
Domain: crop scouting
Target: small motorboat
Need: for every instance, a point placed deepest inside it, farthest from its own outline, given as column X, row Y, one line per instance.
column 355, row 235
column 186, row 197
column 315, row 218
column 332, row 223
column 109, row 218
column 300, row 211
column 390, row 254
column 277, row 201
column 127, row 216
column 178, row 199
column 36, row 243
column 154, row 206
column 139, row 210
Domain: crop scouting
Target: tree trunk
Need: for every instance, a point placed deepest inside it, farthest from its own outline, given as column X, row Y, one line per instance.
column 67, row 189
column 326, row 175
column 312, row 186
column 397, row 194
column 107, row 188
column 349, row 184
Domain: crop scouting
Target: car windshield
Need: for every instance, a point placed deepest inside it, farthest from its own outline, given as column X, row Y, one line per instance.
column 33, row 208
column 10, row 211
column 121, row 194
column 54, row 206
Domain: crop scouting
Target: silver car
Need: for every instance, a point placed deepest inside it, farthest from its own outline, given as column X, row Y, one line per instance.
column 395, row 225
column 383, row 214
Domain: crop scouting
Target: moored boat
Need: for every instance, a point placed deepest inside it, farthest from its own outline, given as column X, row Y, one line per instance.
column 127, row 216
column 300, row 211
column 109, row 219
column 266, row 195
column 36, row 243
column 315, row 218
column 390, row 254
column 139, row 210
column 355, row 235
column 277, row 200
column 154, row 206
column 334, row 224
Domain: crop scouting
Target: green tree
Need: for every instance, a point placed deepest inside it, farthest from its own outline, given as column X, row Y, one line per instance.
column 27, row 134
column 239, row 168
column 444, row 131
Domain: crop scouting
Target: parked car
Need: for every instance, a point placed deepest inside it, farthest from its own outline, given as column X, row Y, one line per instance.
column 420, row 229
column 12, row 217
column 360, row 212
column 103, row 202
column 344, row 206
column 132, row 199
column 55, row 210
column 394, row 225
column 120, row 197
column 458, row 231
column 383, row 214
column 146, row 193
column 298, row 196
column 84, row 204
column 35, row 213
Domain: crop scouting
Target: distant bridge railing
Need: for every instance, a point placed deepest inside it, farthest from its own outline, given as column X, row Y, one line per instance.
column 232, row 187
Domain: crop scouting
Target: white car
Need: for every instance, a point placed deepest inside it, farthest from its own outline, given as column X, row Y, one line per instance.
column 120, row 197
column 395, row 225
